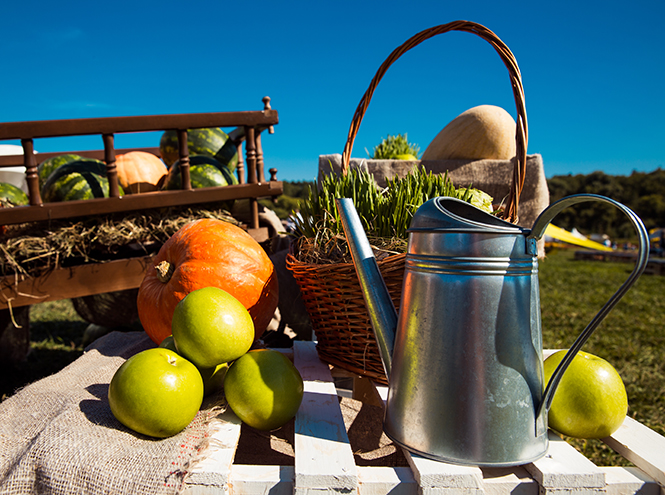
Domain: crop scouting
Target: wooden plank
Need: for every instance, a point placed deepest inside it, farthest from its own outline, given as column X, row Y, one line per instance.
column 143, row 123
column 509, row 481
column 261, row 480
column 563, row 470
column 211, row 474
column 629, row 481
column 134, row 202
column 323, row 457
column 380, row 480
column 642, row 446
column 434, row 477
column 77, row 281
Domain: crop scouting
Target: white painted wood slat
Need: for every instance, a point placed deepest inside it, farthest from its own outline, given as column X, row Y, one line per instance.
column 564, row 469
column 210, row 475
column 260, row 480
column 435, row 477
column 324, row 460
column 629, row 481
column 509, row 481
column 380, row 480
column 642, row 446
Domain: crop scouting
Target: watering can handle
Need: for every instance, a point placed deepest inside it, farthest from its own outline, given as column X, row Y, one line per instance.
column 538, row 231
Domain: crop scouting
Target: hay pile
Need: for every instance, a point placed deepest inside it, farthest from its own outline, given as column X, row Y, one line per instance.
column 36, row 248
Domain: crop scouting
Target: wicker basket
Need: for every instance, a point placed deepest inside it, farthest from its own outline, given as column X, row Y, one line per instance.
column 331, row 292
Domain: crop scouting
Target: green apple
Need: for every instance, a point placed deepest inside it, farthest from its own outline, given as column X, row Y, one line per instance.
column 591, row 399
column 211, row 327
column 168, row 343
column 263, row 388
column 156, row 392
column 213, row 378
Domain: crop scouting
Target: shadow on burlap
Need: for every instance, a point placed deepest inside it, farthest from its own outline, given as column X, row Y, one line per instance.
column 58, row 435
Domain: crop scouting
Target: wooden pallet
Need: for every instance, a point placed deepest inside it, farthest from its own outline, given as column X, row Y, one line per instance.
column 324, row 461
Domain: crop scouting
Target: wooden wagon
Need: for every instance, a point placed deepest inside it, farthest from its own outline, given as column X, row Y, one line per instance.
column 122, row 274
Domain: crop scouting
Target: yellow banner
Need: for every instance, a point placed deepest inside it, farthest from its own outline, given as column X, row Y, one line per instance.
column 563, row 235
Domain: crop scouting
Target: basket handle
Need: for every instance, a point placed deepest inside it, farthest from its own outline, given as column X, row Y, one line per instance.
column 521, row 134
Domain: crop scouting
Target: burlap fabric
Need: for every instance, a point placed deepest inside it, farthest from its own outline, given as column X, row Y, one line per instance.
column 492, row 176
column 58, row 435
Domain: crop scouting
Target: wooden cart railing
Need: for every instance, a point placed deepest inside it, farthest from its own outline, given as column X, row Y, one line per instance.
column 124, row 274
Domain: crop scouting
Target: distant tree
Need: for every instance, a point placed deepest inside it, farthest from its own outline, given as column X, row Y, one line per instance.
column 643, row 192
column 298, row 189
column 289, row 201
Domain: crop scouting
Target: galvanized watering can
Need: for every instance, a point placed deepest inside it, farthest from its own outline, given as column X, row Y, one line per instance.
column 464, row 355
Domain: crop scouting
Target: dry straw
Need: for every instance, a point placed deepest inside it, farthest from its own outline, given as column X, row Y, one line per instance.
column 36, row 248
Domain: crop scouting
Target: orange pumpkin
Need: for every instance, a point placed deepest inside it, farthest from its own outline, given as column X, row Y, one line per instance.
column 207, row 253
column 139, row 171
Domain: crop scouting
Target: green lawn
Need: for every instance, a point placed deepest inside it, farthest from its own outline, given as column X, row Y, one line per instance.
column 56, row 333
column 631, row 337
column 57, row 339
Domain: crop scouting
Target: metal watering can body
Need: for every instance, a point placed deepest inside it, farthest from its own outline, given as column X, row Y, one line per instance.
column 464, row 354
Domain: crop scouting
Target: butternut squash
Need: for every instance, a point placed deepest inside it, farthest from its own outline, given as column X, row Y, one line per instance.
column 482, row 132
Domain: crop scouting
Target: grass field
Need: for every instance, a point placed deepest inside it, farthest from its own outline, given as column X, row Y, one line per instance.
column 632, row 337
column 56, row 333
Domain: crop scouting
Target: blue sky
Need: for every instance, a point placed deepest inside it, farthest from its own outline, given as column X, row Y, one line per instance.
column 593, row 72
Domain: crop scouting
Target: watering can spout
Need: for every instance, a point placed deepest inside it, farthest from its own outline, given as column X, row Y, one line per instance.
column 380, row 307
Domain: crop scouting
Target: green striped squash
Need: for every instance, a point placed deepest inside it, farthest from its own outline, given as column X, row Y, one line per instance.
column 212, row 142
column 203, row 172
column 46, row 168
column 12, row 195
column 77, row 180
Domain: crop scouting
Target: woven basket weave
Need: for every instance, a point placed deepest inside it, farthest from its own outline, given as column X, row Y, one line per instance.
column 331, row 292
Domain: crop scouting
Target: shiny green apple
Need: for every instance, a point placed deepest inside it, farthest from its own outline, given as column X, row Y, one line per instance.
column 264, row 389
column 591, row 399
column 211, row 327
column 156, row 392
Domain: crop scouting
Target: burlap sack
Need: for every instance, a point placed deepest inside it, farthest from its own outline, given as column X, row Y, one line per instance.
column 58, row 435
column 492, row 176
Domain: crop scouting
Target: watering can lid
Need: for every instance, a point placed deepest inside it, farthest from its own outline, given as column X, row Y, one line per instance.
column 452, row 214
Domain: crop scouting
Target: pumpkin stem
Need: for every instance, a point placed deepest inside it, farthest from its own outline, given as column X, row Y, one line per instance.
column 164, row 271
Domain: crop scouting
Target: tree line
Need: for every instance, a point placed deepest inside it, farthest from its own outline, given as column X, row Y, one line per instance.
column 643, row 192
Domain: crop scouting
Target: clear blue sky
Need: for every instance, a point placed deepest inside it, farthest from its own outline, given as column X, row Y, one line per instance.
column 593, row 72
